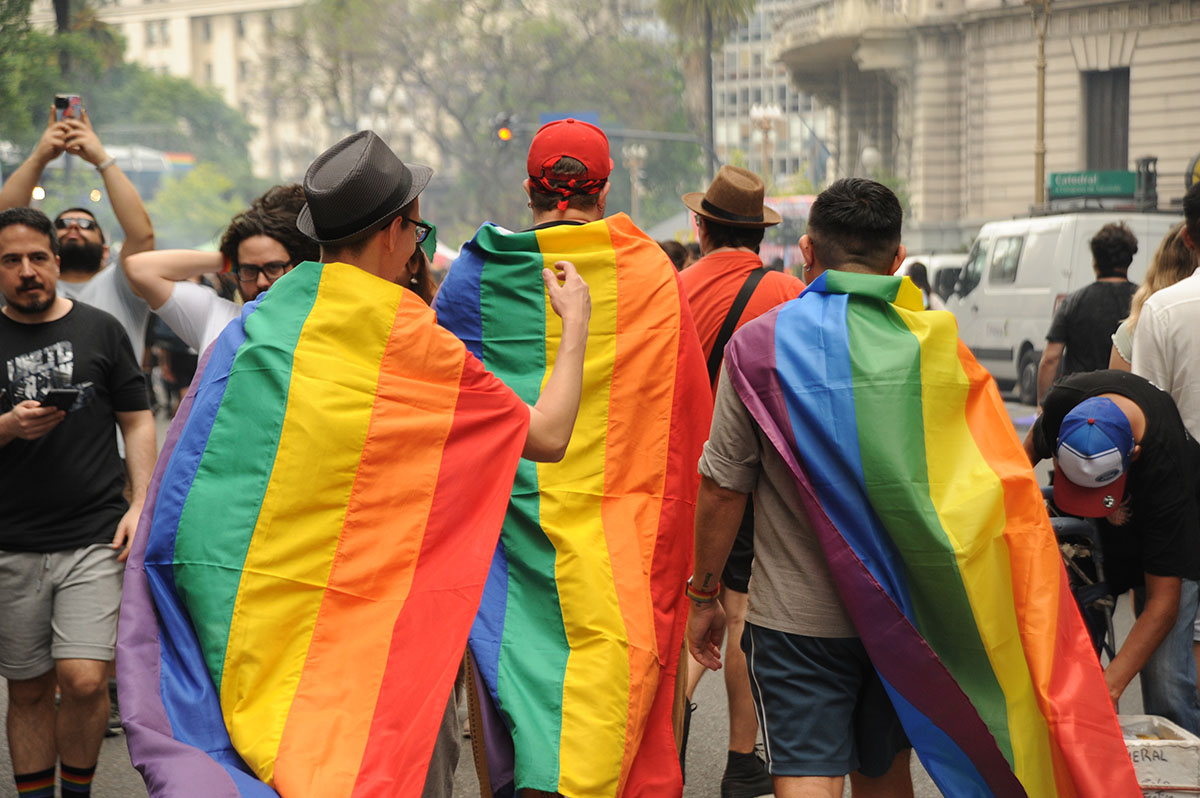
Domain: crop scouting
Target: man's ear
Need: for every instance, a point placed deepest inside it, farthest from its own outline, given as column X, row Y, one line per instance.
column 528, row 186
column 1194, row 246
column 1136, row 453
column 806, row 252
column 901, row 254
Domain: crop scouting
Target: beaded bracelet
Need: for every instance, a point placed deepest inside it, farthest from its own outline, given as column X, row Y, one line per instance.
column 702, row 596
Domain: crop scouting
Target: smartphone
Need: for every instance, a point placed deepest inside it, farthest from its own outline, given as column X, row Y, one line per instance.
column 68, row 105
column 60, row 398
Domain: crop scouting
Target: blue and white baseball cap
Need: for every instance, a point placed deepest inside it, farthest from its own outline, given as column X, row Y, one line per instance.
column 1091, row 460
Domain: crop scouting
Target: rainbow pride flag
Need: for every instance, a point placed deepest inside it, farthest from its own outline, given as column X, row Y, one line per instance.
column 580, row 630
column 937, row 536
column 314, row 547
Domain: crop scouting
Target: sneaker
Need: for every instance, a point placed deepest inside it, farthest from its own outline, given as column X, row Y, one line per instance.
column 746, row 776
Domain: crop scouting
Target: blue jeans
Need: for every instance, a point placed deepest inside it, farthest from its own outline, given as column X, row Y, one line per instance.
column 1169, row 677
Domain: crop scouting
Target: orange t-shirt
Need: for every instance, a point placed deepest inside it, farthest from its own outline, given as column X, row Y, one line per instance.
column 713, row 282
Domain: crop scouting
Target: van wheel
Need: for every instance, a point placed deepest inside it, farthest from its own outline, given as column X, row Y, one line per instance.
column 1027, row 376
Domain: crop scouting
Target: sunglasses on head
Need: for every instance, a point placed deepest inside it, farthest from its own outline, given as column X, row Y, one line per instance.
column 83, row 224
column 248, row 272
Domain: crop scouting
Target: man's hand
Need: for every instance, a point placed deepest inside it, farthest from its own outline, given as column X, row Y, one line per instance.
column 29, row 421
column 126, row 529
column 572, row 300
column 1121, row 515
column 83, row 141
column 53, row 140
column 705, row 629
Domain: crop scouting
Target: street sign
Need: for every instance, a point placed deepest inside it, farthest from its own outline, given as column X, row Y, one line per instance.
column 1092, row 184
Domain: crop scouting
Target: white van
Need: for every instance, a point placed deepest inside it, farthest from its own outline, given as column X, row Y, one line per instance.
column 942, row 269
column 1017, row 272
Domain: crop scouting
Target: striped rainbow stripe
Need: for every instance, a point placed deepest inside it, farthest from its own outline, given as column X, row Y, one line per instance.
column 580, row 630
column 314, row 547
column 952, row 576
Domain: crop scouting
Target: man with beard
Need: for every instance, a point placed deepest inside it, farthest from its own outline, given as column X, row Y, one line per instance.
column 83, row 247
column 67, row 376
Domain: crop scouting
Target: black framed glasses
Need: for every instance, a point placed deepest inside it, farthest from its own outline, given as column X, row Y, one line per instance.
column 84, row 224
column 423, row 230
column 248, row 272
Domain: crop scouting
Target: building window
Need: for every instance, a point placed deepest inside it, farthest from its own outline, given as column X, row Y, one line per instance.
column 151, row 33
column 206, row 30
column 164, row 32
column 1106, row 115
column 241, row 27
column 208, row 74
column 243, row 70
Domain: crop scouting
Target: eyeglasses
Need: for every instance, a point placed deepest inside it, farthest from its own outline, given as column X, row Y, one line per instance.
column 248, row 272
column 83, row 224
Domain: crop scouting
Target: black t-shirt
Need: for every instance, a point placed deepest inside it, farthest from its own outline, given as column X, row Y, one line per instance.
column 63, row 490
column 1163, row 535
column 1085, row 322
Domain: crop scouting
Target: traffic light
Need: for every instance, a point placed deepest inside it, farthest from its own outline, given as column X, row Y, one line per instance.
column 502, row 129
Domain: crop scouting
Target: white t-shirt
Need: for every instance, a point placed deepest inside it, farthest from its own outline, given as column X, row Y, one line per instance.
column 109, row 290
column 197, row 314
column 1166, row 346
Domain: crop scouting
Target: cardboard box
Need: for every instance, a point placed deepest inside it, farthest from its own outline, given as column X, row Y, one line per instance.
column 1164, row 756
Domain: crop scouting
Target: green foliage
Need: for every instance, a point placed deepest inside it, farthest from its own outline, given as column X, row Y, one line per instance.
column 127, row 103
column 438, row 72
column 193, row 209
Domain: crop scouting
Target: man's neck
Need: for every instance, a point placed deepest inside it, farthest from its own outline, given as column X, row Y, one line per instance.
column 1113, row 278
column 58, row 308
column 569, row 215
column 729, row 249
column 76, row 276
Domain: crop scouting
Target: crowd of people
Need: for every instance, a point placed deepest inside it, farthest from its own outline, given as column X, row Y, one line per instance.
column 767, row 597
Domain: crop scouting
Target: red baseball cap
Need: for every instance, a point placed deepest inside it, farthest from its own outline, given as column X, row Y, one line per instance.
column 571, row 138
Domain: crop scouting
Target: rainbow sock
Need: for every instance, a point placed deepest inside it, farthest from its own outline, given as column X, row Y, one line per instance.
column 75, row 782
column 36, row 785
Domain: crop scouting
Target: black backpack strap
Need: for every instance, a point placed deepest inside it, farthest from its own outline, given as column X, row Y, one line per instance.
column 735, row 312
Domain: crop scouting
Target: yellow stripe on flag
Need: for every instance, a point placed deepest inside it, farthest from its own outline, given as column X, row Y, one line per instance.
column 291, row 552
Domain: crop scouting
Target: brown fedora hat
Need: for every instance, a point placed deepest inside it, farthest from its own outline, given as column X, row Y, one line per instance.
column 735, row 198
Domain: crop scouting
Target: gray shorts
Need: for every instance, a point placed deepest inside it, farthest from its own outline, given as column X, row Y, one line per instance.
column 62, row 605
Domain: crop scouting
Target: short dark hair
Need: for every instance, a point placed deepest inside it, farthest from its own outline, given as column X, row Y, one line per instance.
column 31, row 218
column 856, row 219
column 1113, row 248
column 356, row 243
column 78, row 209
column 545, row 201
column 272, row 215
column 675, row 251
column 1191, row 213
column 726, row 235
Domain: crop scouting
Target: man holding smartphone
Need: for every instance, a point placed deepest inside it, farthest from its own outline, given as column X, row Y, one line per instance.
column 67, row 375
column 84, row 249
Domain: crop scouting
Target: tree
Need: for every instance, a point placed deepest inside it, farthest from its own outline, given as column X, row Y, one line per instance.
column 194, row 209
column 701, row 26
column 431, row 76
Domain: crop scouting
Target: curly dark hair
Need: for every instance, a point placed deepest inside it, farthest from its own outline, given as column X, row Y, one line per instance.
column 1113, row 249
column 272, row 215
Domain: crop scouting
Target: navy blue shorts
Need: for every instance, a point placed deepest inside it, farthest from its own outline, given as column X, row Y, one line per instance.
column 821, row 706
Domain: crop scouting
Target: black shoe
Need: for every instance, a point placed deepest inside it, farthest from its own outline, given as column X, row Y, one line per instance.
column 687, row 725
column 746, row 776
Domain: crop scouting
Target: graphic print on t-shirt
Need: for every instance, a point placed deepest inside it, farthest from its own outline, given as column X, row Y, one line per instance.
column 31, row 374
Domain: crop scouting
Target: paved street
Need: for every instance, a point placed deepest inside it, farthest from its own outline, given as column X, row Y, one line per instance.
column 116, row 778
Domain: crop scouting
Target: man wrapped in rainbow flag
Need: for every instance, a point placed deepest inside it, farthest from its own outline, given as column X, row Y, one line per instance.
column 581, row 626
column 907, row 588
column 322, row 517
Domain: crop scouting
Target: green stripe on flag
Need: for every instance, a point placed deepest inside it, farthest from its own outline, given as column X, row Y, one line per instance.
column 891, row 434
column 238, row 459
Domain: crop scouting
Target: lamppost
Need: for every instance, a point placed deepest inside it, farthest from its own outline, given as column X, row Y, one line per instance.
column 764, row 118
column 1039, row 146
column 634, row 158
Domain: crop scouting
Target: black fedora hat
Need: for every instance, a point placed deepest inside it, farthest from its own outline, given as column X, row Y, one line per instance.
column 355, row 184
